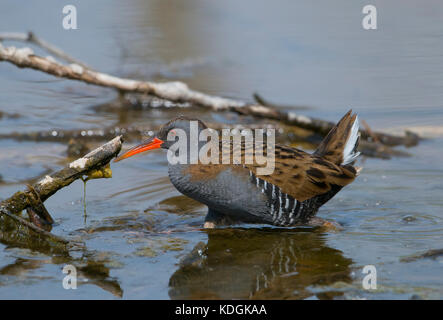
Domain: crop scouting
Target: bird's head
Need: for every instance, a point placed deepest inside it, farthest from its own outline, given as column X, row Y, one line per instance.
column 166, row 136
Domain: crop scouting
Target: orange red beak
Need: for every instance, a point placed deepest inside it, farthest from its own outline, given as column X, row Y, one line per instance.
column 150, row 144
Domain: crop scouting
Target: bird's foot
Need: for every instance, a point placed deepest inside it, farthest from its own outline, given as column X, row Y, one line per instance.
column 209, row 225
column 214, row 219
column 325, row 224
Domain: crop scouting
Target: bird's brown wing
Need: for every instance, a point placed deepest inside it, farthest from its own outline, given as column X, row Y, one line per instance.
column 297, row 173
column 304, row 176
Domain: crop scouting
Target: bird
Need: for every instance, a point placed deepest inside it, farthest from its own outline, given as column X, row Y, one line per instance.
column 238, row 193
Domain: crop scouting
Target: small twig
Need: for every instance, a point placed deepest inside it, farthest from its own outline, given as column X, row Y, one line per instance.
column 369, row 131
column 260, row 100
column 31, row 226
column 432, row 254
column 379, row 150
column 131, row 133
column 32, row 38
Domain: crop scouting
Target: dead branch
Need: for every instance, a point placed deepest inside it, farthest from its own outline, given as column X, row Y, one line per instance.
column 320, row 126
column 49, row 185
column 79, row 139
column 174, row 91
column 75, row 170
column 179, row 92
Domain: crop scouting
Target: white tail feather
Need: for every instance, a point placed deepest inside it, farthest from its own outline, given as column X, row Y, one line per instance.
column 350, row 152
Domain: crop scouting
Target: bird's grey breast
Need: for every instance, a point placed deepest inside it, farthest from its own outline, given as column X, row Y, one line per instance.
column 230, row 190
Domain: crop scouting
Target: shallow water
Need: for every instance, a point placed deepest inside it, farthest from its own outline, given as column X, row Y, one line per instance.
column 143, row 238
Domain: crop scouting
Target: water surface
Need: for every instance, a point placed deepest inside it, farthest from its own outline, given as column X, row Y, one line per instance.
column 143, row 238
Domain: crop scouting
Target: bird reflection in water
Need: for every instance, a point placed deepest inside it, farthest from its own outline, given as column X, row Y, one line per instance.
column 260, row 264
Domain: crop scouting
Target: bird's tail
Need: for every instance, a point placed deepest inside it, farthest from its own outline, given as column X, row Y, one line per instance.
column 340, row 145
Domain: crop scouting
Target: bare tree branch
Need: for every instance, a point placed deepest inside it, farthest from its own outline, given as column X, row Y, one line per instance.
column 173, row 91
column 76, row 169
column 320, row 126
column 50, row 184
column 179, row 92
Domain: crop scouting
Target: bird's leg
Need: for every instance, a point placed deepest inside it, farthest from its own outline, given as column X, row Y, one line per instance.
column 216, row 218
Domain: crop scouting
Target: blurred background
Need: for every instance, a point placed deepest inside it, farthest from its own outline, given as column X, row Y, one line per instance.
column 306, row 53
